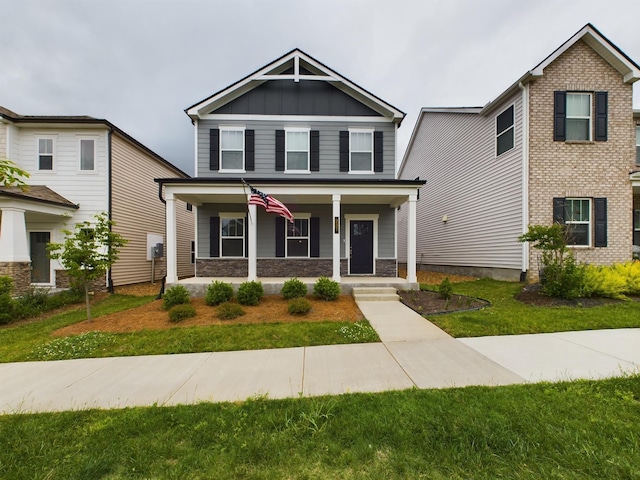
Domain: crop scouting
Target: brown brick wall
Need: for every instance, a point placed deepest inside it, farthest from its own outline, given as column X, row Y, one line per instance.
column 586, row 169
column 20, row 272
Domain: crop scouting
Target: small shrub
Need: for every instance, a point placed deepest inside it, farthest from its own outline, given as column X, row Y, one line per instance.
column 229, row 311
column 299, row 306
column 218, row 292
column 177, row 295
column 326, row 289
column 6, row 302
column 32, row 302
column 293, row 288
column 181, row 312
column 250, row 293
column 564, row 280
column 6, row 285
column 445, row 289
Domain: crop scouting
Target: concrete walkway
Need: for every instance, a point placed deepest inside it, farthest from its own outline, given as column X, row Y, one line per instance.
column 413, row 353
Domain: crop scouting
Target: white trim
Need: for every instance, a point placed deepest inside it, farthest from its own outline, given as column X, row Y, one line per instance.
column 225, row 117
column 589, row 222
column 348, row 218
column 361, row 130
column 288, row 130
column 235, row 128
column 525, row 173
column 195, row 147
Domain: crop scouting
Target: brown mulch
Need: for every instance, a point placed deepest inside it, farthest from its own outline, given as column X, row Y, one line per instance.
column 272, row 309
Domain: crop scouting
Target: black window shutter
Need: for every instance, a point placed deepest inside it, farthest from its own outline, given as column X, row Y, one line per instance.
column 558, row 210
column 280, row 151
column 314, row 237
column 601, row 116
column 601, row 222
column 280, row 226
column 214, row 149
column 246, row 236
column 315, row 151
column 249, row 150
column 378, row 161
column 214, row 237
column 559, row 116
column 344, row 151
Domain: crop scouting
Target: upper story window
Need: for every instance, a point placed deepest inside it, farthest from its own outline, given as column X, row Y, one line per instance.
column 578, row 120
column 505, row 131
column 297, row 150
column 577, row 217
column 637, row 145
column 297, row 243
column 87, row 154
column 232, row 235
column 45, row 154
column 231, row 149
column 360, row 150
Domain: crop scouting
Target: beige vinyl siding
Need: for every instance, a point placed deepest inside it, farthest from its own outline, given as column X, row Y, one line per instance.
column 480, row 194
column 3, row 140
column 137, row 210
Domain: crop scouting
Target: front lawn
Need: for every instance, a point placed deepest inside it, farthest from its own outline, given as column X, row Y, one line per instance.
column 508, row 316
column 585, row 429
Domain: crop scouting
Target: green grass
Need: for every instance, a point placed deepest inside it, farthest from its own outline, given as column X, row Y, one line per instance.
column 507, row 316
column 34, row 341
column 586, row 429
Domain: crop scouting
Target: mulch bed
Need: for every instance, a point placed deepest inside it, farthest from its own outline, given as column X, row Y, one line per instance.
column 532, row 295
column 431, row 303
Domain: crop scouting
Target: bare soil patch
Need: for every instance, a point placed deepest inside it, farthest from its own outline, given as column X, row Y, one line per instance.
column 431, row 303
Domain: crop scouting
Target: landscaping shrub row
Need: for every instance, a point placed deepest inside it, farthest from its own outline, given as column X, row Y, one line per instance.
column 177, row 299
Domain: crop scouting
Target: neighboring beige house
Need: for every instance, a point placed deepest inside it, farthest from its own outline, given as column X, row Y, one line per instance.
column 635, row 179
column 81, row 166
column 558, row 145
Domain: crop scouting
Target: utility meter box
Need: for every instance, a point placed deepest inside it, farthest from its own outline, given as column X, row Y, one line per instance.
column 153, row 240
column 158, row 250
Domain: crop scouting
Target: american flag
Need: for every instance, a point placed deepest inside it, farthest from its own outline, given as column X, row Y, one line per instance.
column 269, row 203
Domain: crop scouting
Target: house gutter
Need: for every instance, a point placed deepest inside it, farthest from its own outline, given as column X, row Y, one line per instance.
column 525, row 177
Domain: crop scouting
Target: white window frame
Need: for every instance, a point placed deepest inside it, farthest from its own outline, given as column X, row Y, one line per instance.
column 232, row 216
column 232, row 170
column 637, row 144
column 286, row 149
column 351, row 150
column 589, row 222
column 95, row 160
column 504, row 132
column 39, row 153
column 589, row 117
column 299, row 216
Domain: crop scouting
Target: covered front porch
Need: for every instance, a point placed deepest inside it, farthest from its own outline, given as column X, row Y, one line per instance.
column 337, row 213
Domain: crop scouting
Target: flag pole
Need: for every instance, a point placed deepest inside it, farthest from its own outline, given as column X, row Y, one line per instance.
column 246, row 198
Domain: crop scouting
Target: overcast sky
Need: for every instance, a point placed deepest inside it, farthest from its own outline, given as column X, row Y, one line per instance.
column 140, row 63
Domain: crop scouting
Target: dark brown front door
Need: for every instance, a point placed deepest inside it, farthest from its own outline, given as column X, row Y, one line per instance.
column 361, row 244
column 40, row 263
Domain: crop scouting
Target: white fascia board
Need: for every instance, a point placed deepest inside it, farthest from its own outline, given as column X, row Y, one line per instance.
column 293, row 118
column 36, row 207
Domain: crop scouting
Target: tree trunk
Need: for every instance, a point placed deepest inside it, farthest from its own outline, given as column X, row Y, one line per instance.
column 86, row 301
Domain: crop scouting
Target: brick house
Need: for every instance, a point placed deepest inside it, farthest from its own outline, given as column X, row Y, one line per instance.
column 558, row 145
column 80, row 166
column 320, row 144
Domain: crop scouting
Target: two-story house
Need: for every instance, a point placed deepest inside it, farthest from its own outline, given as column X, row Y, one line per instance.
column 81, row 166
column 557, row 145
column 320, row 144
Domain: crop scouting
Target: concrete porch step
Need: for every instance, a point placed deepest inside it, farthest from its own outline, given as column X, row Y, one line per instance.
column 375, row 294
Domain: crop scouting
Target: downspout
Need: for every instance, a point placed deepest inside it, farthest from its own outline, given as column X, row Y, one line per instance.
column 109, row 198
column 525, row 177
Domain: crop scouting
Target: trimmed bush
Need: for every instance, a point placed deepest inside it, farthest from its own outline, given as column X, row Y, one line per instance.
column 181, row 312
column 250, row 293
column 326, row 289
column 177, row 295
column 218, row 292
column 6, row 285
column 229, row 311
column 293, row 288
column 445, row 289
column 299, row 306
column 6, row 302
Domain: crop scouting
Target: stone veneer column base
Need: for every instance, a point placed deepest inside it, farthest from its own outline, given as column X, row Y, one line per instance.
column 20, row 272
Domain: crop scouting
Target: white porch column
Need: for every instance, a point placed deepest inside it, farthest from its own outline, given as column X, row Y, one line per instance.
column 13, row 236
column 172, row 244
column 411, row 239
column 253, row 243
column 336, row 237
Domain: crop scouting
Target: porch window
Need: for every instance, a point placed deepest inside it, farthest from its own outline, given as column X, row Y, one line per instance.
column 45, row 154
column 578, row 116
column 361, row 151
column 231, row 149
column 577, row 217
column 297, row 150
column 504, row 131
column 232, row 236
column 298, row 237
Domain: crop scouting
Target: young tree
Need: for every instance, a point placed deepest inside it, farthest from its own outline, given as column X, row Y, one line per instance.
column 88, row 252
column 11, row 174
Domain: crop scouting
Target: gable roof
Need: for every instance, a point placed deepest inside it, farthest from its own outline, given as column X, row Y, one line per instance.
column 295, row 65
column 85, row 120
column 38, row 193
column 597, row 41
